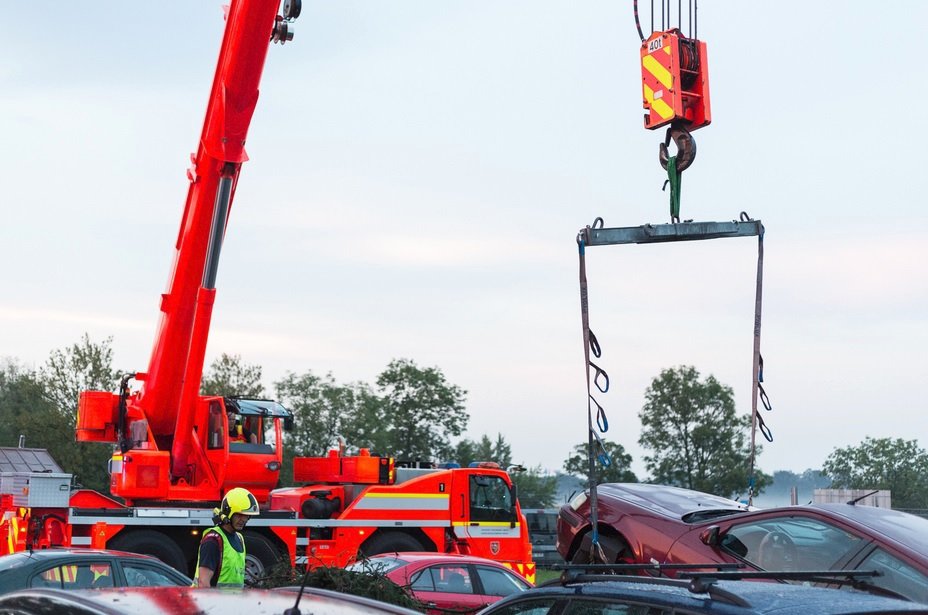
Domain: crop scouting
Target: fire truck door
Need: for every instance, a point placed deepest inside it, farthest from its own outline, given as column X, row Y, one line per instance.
column 487, row 510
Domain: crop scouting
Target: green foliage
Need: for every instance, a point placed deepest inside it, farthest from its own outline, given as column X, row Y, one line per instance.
column 467, row 451
column 84, row 366
column 369, row 583
column 696, row 439
column 619, row 471
column 422, row 410
column 228, row 376
column 323, row 412
column 536, row 488
column 42, row 407
column 883, row 463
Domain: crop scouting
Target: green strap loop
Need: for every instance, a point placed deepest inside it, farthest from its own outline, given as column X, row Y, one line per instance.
column 674, row 179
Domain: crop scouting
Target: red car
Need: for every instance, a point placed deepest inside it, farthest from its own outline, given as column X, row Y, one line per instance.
column 641, row 523
column 461, row 583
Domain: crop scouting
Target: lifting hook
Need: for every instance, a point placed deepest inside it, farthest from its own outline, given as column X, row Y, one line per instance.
column 675, row 165
column 686, row 148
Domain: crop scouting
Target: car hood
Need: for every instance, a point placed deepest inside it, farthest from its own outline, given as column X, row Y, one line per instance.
column 682, row 504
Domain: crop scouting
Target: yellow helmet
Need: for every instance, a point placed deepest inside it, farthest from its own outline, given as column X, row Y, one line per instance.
column 238, row 500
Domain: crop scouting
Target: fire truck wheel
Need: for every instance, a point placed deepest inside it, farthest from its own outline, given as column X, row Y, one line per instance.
column 150, row 542
column 262, row 555
column 390, row 542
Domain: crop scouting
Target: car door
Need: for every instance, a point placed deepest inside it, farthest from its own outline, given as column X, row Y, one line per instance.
column 791, row 542
column 449, row 587
column 497, row 583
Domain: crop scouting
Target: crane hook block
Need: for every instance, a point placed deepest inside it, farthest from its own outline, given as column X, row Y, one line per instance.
column 675, row 81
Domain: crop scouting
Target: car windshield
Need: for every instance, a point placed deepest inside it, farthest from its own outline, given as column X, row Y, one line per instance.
column 381, row 565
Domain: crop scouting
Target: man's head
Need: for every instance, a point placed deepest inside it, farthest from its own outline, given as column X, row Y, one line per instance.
column 237, row 505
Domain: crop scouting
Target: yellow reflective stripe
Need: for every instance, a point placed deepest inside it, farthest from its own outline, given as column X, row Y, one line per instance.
column 657, row 69
column 657, row 104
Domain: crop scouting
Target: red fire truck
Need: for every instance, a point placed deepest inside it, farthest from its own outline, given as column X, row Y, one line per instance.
column 176, row 452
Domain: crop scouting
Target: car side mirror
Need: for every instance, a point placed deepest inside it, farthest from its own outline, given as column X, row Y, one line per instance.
column 710, row 536
column 288, row 423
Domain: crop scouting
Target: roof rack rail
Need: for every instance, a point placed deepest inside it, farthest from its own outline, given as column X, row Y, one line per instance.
column 701, row 581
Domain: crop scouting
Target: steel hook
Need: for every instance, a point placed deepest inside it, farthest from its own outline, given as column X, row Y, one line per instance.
column 686, row 148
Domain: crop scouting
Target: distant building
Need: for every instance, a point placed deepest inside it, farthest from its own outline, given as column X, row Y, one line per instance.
column 881, row 498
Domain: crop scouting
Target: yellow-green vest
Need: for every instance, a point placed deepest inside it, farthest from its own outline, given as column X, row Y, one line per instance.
column 232, row 570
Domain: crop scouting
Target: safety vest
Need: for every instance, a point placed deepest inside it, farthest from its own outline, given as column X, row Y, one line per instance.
column 238, row 434
column 232, row 570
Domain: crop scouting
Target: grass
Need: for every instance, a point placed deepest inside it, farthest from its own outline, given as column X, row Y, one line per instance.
column 544, row 574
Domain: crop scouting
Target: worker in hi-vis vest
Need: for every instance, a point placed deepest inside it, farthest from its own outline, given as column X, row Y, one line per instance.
column 221, row 560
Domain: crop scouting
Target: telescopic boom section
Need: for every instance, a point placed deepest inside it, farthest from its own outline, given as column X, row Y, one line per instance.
column 170, row 388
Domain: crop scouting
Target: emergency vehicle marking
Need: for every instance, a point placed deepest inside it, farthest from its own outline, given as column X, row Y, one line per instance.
column 485, row 529
column 657, row 104
column 658, row 70
column 403, row 501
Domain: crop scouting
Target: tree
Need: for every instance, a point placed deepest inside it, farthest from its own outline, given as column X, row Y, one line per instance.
column 883, row 463
column 537, row 489
column 467, row 451
column 84, row 366
column 695, row 437
column 422, row 410
column 228, row 376
column 618, row 471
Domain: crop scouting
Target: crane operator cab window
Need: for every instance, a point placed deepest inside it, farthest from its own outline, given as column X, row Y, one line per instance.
column 490, row 499
column 252, row 425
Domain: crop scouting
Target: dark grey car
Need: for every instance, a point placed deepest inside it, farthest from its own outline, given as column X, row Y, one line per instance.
column 637, row 595
column 85, row 569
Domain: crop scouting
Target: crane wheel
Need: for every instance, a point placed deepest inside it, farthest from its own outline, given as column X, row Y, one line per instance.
column 390, row 542
column 260, row 557
column 150, row 542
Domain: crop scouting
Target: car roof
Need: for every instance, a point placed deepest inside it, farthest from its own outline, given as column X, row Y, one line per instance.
column 426, row 556
column 184, row 600
column 902, row 527
column 672, row 502
column 723, row 597
column 45, row 555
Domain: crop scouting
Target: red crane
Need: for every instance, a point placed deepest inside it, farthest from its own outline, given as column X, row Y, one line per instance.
column 174, row 444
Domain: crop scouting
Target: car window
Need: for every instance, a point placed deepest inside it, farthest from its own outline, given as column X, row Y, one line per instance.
column 142, row 575
column 535, row 606
column 791, row 543
column 498, row 582
column 449, row 579
column 896, row 576
column 50, row 577
column 75, row 576
column 603, row 607
column 423, row 581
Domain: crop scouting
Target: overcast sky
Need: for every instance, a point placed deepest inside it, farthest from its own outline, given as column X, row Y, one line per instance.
column 420, row 169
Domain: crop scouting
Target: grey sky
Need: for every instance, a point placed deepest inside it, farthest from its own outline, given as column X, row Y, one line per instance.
column 420, row 170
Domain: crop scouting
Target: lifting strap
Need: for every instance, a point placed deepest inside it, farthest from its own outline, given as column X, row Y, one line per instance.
column 757, row 387
column 595, row 447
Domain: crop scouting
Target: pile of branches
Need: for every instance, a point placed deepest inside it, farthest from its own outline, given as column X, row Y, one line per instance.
column 370, row 583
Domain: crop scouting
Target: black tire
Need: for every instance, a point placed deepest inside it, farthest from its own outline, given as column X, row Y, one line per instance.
column 260, row 556
column 150, row 542
column 390, row 542
column 614, row 548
